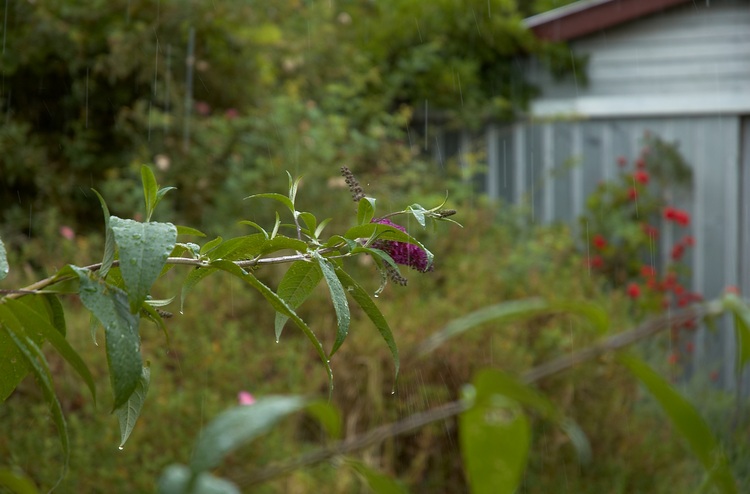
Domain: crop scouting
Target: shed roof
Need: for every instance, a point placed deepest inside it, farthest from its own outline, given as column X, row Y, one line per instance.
column 588, row 16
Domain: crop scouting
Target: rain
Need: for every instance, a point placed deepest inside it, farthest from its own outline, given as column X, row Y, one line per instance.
column 578, row 170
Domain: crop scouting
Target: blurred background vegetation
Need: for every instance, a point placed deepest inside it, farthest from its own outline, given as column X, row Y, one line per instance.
column 223, row 97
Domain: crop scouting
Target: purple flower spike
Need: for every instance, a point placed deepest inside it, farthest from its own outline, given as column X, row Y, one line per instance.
column 402, row 252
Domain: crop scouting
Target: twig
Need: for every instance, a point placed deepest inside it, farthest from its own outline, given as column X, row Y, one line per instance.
column 453, row 408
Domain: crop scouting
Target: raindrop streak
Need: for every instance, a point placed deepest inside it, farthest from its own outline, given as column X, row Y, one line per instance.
column 5, row 25
column 419, row 32
column 476, row 21
column 439, row 155
column 87, row 97
column 189, row 62
column 460, row 91
column 426, row 114
column 635, row 199
column 166, row 89
column 588, row 248
column 156, row 75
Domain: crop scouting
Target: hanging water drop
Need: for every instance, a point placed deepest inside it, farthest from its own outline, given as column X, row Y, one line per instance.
column 120, row 447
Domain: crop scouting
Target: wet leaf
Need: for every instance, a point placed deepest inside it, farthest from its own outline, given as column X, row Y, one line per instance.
column 109, row 239
column 240, row 425
column 128, row 412
column 688, row 422
column 338, row 298
column 144, row 249
column 16, row 482
column 3, row 261
column 377, row 482
column 178, row 479
column 110, row 305
column 294, row 288
column 365, row 210
column 328, row 416
column 368, row 306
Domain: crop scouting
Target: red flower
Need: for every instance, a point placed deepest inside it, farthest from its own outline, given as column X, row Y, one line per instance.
column 596, row 262
column 688, row 241
column 648, row 271
column 673, row 358
column 641, row 176
column 633, row 290
column 599, row 241
column 640, row 163
column 679, row 216
column 677, row 252
column 632, row 193
column 714, row 376
column 689, row 347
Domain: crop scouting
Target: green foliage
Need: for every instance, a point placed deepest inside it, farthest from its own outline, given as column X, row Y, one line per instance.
column 296, row 85
column 498, row 409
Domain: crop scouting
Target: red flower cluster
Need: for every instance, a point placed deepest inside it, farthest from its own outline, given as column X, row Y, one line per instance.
column 641, row 177
column 599, row 242
column 650, row 230
column 633, row 290
column 679, row 216
column 679, row 248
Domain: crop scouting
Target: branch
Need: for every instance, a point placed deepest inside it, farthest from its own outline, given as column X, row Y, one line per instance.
column 37, row 287
column 453, row 408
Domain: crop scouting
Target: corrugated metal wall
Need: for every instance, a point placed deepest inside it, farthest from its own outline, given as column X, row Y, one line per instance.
column 554, row 166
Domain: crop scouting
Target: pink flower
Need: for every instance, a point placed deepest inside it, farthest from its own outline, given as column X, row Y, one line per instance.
column 67, row 232
column 231, row 114
column 245, row 398
column 402, row 252
column 202, row 108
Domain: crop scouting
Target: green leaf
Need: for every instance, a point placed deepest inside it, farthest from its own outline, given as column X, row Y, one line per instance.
column 3, row 261
column 494, row 435
column 16, row 482
column 368, row 306
column 144, row 249
column 503, row 312
column 321, row 226
column 688, row 422
column 186, row 230
column 741, row 313
column 276, row 197
column 35, row 322
column 255, row 225
column 155, row 317
column 280, row 306
column 128, row 412
column 191, row 280
column 149, row 190
column 110, row 305
column 418, row 212
column 377, row 482
column 365, row 210
column 338, row 298
column 211, row 244
column 311, row 222
column 280, row 242
column 328, row 416
column 294, row 288
column 238, row 426
column 244, row 247
column 39, row 367
column 514, row 310
column 179, row 479
column 525, row 395
column 109, row 239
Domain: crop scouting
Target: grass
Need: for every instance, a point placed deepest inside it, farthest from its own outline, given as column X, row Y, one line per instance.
column 224, row 343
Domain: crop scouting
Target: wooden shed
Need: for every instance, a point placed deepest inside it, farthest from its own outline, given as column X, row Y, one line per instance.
column 679, row 69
